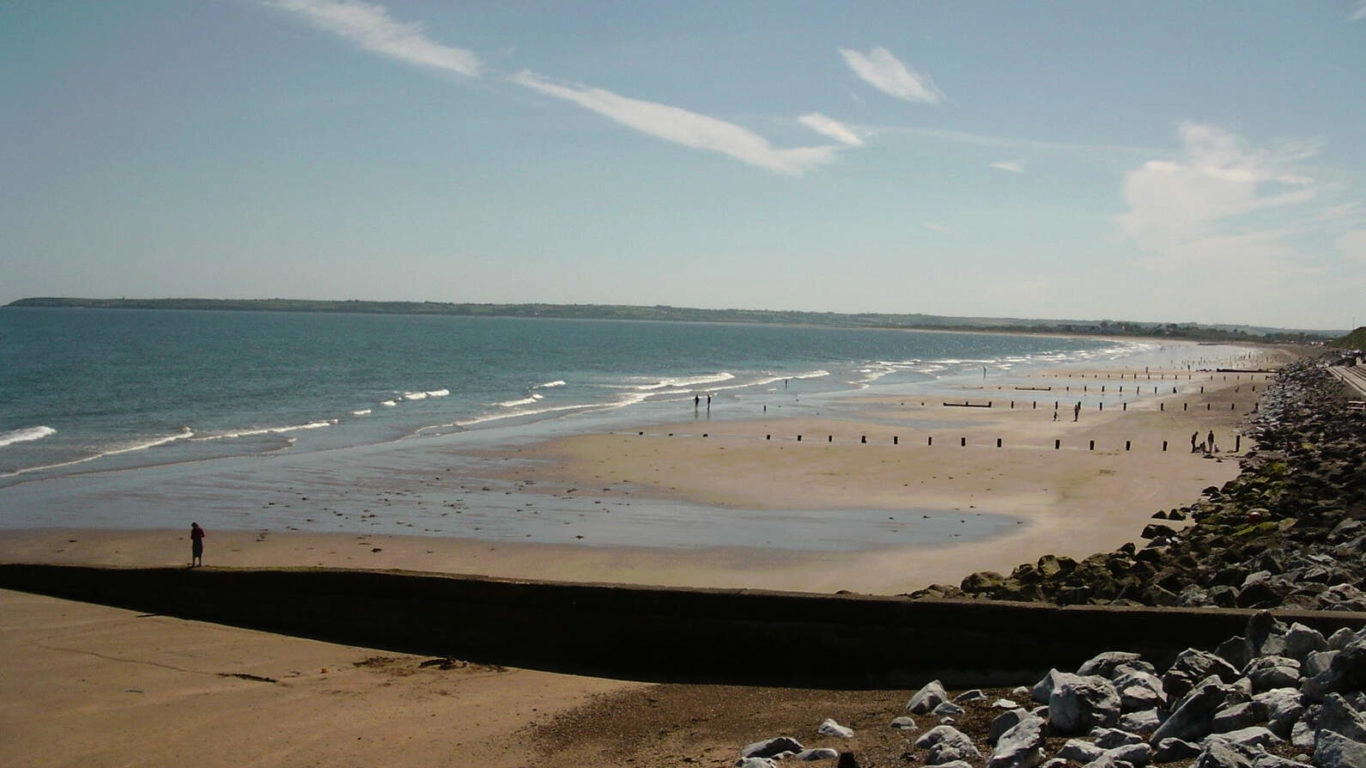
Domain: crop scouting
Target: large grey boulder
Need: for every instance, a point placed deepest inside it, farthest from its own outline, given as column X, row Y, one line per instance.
column 1172, row 749
column 1104, row 664
column 1339, row 716
column 1109, row 738
column 1221, row 754
column 947, row 709
column 1107, row 760
column 1145, row 722
column 1190, row 667
column 1004, row 722
column 1044, row 688
column 1317, row 662
column 812, row 755
column 927, row 698
column 1242, row 715
column 1138, row 688
column 1021, row 746
column 1283, row 709
column 1246, row 739
column 1193, row 716
column 1347, row 672
column 829, row 727
column 1337, row 751
column 1080, row 751
column 755, row 762
column 1300, row 641
column 946, row 744
column 771, row 747
column 1079, row 704
column 1267, row 672
column 1133, row 754
column 1340, row 639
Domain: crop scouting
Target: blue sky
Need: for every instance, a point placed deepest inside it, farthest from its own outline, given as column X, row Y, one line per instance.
column 1159, row 161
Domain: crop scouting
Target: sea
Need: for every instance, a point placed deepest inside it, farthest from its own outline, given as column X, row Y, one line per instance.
column 120, row 418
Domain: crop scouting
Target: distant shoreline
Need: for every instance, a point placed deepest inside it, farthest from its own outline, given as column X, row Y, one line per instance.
column 662, row 313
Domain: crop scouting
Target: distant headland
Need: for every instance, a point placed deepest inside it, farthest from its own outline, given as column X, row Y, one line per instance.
column 915, row 321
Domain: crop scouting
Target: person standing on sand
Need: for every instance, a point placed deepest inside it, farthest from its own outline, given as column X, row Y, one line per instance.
column 196, row 545
column 1076, row 411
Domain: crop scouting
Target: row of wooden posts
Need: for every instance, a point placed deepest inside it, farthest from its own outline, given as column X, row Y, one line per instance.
column 1057, row 405
column 1252, row 376
column 963, row 441
column 1137, row 390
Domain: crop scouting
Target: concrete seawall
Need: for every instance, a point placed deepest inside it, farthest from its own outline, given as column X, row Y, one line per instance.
column 663, row 634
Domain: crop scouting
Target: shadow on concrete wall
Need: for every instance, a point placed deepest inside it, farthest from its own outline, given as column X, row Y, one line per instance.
column 659, row 634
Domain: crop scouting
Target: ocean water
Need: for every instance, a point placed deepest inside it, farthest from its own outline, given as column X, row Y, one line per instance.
column 142, row 418
column 86, row 390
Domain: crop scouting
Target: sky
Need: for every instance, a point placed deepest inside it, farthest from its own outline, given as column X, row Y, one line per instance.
column 1147, row 161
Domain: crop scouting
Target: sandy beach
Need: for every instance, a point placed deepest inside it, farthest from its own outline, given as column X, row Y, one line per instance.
column 101, row 686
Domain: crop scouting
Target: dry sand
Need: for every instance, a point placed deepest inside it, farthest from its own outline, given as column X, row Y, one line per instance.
column 98, row 686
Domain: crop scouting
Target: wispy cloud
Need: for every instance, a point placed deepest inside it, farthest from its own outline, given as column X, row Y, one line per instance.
column 1181, row 210
column 831, row 127
column 683, row 127
column 880, row 69
column 370, row 27
column 933, row 227
column 1244, row 217
column 1012, row 166
column 1353, row 245
column 1359, row 12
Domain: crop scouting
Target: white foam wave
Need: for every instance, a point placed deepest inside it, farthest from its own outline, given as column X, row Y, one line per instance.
column 28, row 434
column 415, row 395
column 389, row 404
column 550, row 384
column 819, row 373
column 268, row 430
column 362, row 412
column 141, row 445
column 681, row 381
column 524, row 401
column 439, row 393
column 623, row 400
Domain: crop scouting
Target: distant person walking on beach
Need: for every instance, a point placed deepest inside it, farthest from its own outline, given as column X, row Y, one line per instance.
column 1194, row 436
column 1076, row 411
column 1212, row 449
column 196, row 545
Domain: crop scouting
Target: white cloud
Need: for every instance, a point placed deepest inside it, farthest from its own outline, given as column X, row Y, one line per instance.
column 1353, row 245
column 1345, row 211
column 831, row 127
column 371, row 27
column 937, row 227
column 1193, row 208
column 1009, row 165
column 1359, row 12
column 880, row 69
column 683, row 127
